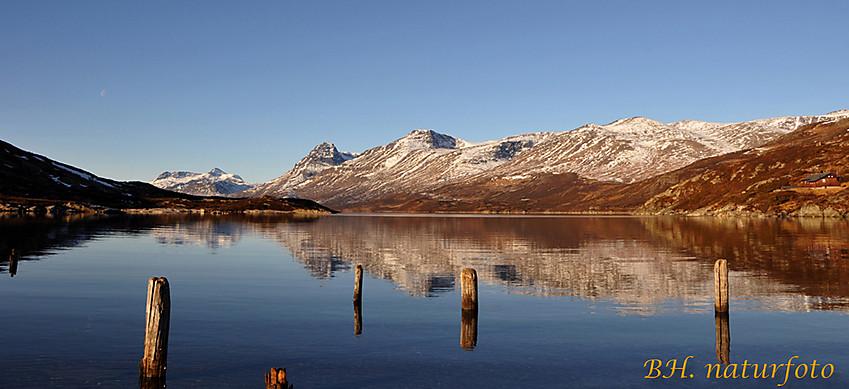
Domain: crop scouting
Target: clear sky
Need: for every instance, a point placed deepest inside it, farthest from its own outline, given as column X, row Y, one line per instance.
column 129, row 89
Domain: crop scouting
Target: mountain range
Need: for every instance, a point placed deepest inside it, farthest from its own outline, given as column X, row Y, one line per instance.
column 213, row 183
column 433, row 172
column 634, row 165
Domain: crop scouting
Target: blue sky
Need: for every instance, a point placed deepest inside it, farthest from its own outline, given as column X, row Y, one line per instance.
column 130, row 89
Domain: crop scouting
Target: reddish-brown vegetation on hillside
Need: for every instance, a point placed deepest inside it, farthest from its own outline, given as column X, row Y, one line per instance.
column 743, row 182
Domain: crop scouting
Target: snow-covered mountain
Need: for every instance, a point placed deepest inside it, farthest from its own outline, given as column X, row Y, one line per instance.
column 424, row 162
column 630, row 150
column 320, row 158
column 213, row 183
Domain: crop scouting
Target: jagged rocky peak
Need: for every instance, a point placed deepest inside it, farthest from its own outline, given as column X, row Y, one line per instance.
column 216, row 172
column 429, row 139
column 328, row 154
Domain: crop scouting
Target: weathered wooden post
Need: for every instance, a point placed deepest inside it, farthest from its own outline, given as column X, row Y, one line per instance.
column 13, row 263
column 469, row 289
column 358, row 317
column 720, row 272
column 723, row 338
column 469, row 316
column 469, row 329
column 151, row 382
column 158, row 311
column 358, row 284
column 276, row 379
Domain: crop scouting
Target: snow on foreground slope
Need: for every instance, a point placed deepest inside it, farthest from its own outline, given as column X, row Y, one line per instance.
column 626, row 150
column 214, row 183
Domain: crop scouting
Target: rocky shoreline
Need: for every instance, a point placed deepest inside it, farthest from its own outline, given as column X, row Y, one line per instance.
column 162, row 206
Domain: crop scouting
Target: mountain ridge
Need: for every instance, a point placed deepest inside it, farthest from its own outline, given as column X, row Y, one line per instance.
column 425, row 164
column 216, row 182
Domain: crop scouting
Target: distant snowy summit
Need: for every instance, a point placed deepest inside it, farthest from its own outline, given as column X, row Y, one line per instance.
column 214, row 183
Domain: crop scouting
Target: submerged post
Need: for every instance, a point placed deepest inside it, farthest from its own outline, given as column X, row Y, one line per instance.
column 720, row 271
column 723, row 338
column 276, row 379
column 156, row 331
column 469, row 329
column 13, row 263
column 358, row 317
column 358, row 284
column 469, row 289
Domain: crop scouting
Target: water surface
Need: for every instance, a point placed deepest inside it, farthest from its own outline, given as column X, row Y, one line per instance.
column 564, row 301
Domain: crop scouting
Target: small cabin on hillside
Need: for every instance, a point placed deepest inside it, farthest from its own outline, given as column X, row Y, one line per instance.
column 821, row 179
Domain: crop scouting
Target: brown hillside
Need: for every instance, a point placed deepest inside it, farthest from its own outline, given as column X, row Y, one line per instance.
column 752, row 180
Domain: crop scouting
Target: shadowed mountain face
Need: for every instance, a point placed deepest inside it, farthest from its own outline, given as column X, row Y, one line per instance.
column 28, row 175
column 638, row 263
column 34, row 183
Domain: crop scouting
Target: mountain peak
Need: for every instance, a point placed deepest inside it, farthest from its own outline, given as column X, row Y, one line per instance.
column 214, row 183
column 326, row 154
column 429, row 139
column 635, row 121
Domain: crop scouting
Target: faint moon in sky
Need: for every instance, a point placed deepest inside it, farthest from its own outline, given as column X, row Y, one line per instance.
column 102, row 92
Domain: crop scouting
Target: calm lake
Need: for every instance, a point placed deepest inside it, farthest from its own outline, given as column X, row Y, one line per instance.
column 564, row 301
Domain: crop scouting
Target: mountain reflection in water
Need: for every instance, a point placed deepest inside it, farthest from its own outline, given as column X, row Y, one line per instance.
column 638, row 263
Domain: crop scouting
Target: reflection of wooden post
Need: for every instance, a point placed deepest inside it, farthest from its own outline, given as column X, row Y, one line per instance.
column 469, row 319
column 723, row 338
column 156, row 331
column 13, row 263
column 720, row 271
column 276, row 379
column 358, row 317
column 358, row 284
column 469, row 289
column 469, row 329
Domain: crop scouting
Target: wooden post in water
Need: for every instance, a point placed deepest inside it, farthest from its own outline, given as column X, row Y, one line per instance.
column 723, row 338
column 151, row 382
column 358, row 284
column 469, row 318
column 156, row 331
column 720, row 272
column 469, row 289
column 276, row 379
column 13, row 263
column 358, row 317
column 469, row 329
